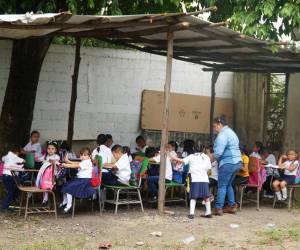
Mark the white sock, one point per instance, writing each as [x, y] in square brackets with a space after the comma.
[69, 201]
[65, 200]
[192, 206]
[284, 193]
[278, 195]
[45, 197]
[208, 208]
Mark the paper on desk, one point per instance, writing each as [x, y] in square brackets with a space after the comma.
[272, 166]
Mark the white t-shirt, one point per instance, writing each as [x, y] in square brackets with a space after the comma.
[85, 169]
[11, 160]
[289, 163]
[214, 170]
[169, 171]
[104, 152]
[54, 157]
[271, 159]
[199, 165]
[35, 148]
[124, 170]
[256, 155]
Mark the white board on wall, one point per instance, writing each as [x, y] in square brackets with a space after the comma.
[188, 113]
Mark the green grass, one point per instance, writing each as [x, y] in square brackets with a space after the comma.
[54, 245]
[279, 235]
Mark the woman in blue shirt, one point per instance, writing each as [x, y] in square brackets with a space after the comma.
[227, 152]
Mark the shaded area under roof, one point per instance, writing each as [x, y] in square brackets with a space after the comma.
[195, 40]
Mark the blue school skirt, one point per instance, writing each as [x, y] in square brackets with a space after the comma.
[79, 188]
[199, 190]
[290, 179]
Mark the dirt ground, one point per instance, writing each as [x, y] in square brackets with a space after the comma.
[249, 229]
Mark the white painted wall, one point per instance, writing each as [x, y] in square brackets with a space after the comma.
[110, 85]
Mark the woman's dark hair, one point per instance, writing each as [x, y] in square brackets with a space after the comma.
[174, 145]
[101, 139]
[221, 120]
[189, 146]
[34, 132]
[151, 152]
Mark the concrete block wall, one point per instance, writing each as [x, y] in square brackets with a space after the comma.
[110, 86]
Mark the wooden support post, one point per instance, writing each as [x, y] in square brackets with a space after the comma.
[266, 107]
[214, 79]
[74, 92]
[164, 131]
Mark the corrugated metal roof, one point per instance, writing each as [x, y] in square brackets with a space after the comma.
[195, 40]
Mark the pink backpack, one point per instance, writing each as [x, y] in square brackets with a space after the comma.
[47, 182]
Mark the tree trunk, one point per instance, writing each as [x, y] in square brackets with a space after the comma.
[18, 105]
[74, 93]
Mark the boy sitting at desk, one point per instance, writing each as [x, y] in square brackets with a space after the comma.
[154, 156]
[120, 171]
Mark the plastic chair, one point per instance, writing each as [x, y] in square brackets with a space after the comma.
[256, 180]
[98, 188]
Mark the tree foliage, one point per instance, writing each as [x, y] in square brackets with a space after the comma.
[265, 19]
[257, 18]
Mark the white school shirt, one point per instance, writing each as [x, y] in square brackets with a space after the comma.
[169, 171]
[199, 165]
[271, 159]
[104, 152]
[256, 155]
[11, 160]
[289, 163]
[124, 170]
[36, 148]
[85, 169]
[54, 157]
[214, 170]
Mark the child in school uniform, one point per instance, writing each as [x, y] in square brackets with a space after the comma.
[120, 171]
[199, 165]
[289, 163]
[152, 181]
[213, 178]
[50, 157]
[81, 186]
[11, 160]
[102, 150]
[35, 147]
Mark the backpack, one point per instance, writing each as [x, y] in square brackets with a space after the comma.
[297, 180]
[29, 160]
[1, 168]
[96, 173]
[47, 181]
[135, 167]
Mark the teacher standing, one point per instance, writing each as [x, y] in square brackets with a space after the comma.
[227, 153]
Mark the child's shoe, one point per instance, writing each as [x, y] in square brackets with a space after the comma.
[191, 216]
[208, 216]
[67, 210]
[62, 205]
